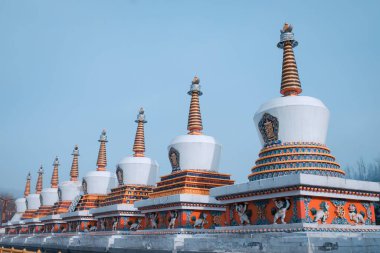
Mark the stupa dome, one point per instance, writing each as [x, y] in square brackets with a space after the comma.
[69, 190]
[20, 205]
[33, 201]
[300, 119]
[194, 152]
[99, 182]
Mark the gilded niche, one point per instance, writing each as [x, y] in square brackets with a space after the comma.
[268, 126]
[174, 159]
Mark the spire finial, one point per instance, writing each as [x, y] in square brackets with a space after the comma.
[139, 144]
[194, 125]
[290, 82]
[27, 186]
[39, 180]
[54, 177]
[74, 172]
[102, 156]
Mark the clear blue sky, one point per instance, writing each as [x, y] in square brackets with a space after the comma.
[68, 69]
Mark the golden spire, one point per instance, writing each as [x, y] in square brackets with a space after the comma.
[39, 180]
[74, 172]
[139, 145]
[290, 82]
[54, 177]
[194, 124]
[102, 156]
[27, 186]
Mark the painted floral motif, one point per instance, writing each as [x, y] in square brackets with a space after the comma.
[261, 212]
[217, 221]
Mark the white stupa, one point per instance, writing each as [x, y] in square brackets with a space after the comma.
[293, 128]
[21, 202]
[69, 190]
[195, 163]
[194, 151]
[33, 200]
[100, 181]
[49, 196]
[138, 169]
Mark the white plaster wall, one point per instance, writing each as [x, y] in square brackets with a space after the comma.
[70, 189]
[33, 201]
[100, 182]
[49, 196]
[139, 170]
[199, 152]
[301, 118]
[20, 205]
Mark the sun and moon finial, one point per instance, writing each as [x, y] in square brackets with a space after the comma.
[290, 82]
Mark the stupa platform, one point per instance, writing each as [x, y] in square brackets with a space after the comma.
[182, 211]
[54, 223]
[300, 198]
[34, 225]
[194, 240]
[60, 207]
[28, 214]
[122, 217]
[79, 221]
[42, 211]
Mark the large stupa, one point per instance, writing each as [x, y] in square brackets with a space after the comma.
[296, 182]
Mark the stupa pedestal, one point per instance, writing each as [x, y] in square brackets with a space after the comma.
[308, 202]
[35, 226]
[119, 217]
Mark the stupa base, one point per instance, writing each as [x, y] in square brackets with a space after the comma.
[196, 240]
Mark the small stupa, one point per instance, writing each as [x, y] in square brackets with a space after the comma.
[95, 187]
[184, 193]
[137, 175]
